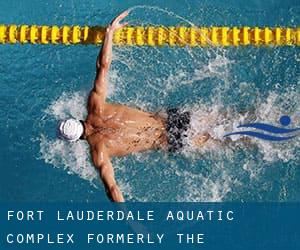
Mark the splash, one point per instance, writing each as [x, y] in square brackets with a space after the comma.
[68, 105]
[74, 157]
[277, 104]
[192, 185]
[212, 189]
[217, 120]
[216, 86]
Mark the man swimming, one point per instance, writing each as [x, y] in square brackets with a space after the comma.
[117, 130]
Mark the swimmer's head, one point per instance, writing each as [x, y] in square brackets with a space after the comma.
[70, 130]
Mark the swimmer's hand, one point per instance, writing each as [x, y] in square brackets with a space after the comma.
[115, 24]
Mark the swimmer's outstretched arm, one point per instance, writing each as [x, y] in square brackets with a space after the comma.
[103, 164]
[105, 56]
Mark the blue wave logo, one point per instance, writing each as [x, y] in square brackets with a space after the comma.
[279, 133]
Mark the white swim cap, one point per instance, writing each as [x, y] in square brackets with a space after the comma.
[70, 130]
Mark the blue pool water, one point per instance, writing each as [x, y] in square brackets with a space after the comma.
[42, 84]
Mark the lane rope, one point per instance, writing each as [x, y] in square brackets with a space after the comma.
[152, 35]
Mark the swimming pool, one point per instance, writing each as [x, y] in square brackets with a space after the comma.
[42, 84]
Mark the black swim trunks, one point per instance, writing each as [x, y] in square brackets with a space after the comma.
[177, 125]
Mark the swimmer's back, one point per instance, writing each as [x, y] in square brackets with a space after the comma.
[126, 130]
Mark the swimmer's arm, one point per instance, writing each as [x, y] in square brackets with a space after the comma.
[105, 56]
[103, 164]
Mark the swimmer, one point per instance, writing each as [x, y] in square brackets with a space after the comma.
[114, 130]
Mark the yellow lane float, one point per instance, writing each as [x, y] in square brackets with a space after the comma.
[152, 35]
